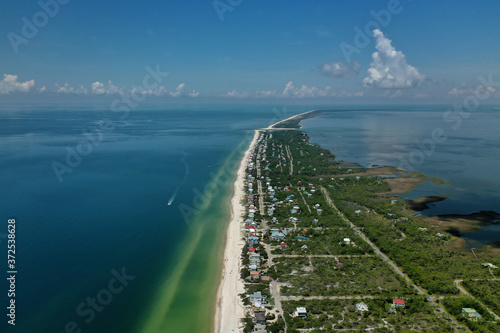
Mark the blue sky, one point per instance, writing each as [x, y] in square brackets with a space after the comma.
[429, 52]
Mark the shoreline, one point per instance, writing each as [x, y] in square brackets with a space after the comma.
[229, 309]
[297, 117]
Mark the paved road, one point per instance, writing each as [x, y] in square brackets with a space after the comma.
[465, 292]
[367, 240]
[275, 294]
[290, 158]
[322, 255]
[261, 198]
[298, 298]
[304, 199]
[389, 261]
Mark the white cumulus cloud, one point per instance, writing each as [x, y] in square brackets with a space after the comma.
[10, 84]
[178, 91]
[99, 88]
[389, 68]
[66, 88]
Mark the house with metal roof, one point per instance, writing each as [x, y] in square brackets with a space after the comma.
[300, 312]
[471, 313]
[361, 307]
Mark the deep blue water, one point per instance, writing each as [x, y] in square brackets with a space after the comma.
[109, 212]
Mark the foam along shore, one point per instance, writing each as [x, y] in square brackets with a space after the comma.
[229, 308]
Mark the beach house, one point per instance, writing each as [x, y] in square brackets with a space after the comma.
[254, 259]
[397, 302]
[254, 275]
[259, 316]
[300, 312]
[361, 307]
[259, 328]
[471, 313]
[278, 236]
[252, 240]
[257, 297]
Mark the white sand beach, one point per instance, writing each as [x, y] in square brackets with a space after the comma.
[229, 308]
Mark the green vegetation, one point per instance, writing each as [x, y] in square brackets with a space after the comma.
[382, 316]
[328, 241]
[487, 291]
[485, 324]
[296, 179]
[325, 277]
[423, 256]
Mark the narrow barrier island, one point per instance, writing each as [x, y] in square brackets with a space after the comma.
[329, 246]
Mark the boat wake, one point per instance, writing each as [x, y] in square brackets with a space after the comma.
[186, 173]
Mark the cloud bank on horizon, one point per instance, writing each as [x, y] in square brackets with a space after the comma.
[367, 51]
[10, 84]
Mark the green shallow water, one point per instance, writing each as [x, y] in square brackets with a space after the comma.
[186, 302]
[112, 213]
